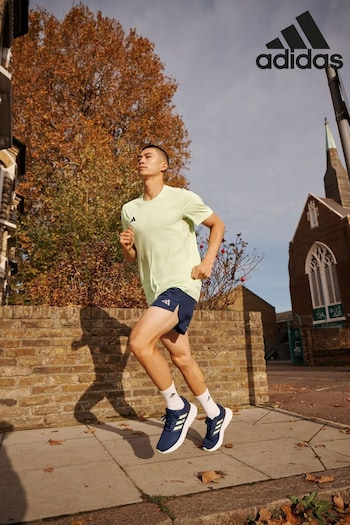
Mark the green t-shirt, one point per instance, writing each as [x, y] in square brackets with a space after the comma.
[165, 239]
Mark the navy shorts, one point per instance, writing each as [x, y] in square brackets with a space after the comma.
[173, 297]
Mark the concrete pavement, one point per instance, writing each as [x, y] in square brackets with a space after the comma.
[65, 471]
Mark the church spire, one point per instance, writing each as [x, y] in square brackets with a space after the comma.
[336, 180]
[330, 142]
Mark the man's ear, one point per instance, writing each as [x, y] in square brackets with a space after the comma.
[164, 166]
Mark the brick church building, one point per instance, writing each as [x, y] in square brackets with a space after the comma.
[319, 253]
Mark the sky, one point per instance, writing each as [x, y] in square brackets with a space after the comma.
[257, 135]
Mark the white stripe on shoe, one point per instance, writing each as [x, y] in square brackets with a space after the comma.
[185, 424]
[220, 428]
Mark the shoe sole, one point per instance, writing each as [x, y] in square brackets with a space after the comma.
[192, 414]
[225, 424]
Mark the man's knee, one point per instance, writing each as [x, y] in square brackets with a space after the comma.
[139, 345]
[134, 344]
[183, 361]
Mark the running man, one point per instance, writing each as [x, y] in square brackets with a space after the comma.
[159, 234]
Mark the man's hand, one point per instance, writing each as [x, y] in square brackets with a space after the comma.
[202, 271]
[217, 228]
[126, 239]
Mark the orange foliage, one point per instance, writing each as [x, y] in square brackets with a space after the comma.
[86, 97]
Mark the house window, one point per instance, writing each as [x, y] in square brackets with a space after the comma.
[321, 267]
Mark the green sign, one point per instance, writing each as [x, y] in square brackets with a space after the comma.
[319, 314]
[335, 310]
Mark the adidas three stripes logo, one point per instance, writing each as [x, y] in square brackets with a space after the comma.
[296, 39]
[293, 38]
[218, 426]
[180, 422]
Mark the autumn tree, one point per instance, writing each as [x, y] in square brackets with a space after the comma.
[233, 266]
[86, 97]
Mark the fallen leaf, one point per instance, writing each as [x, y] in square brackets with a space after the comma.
[326, 479]
[287, 511]
[264, 515]
[338, 501]
[125, 426]
[302, 445]
[310, 477]
[48, 469]
[320, 480]
[90, 430]
[228, 445]
[56, 441]
[211, 475]
[175, 481]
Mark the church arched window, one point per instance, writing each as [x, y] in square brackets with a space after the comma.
[321, 267]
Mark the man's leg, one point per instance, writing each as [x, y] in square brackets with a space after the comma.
[218, 417]
[143, 343]
[178, 346]
[158, 323]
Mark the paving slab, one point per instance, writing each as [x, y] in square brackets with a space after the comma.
[182, 476]
[75, 474]
[47, 473]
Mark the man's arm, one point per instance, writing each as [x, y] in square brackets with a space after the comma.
[127, 242]
[217, 230]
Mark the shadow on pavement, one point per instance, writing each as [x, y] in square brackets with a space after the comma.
[13, 501]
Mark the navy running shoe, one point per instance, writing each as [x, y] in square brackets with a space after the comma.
[216, 428]
[177, 423]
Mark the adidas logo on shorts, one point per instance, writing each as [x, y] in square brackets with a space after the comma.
[166, 301]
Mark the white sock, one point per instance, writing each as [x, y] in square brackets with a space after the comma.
[209, 406]
[172, 399]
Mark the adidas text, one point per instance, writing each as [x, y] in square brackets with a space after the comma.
[288, 60]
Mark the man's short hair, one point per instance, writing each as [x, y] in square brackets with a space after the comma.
[159, 148]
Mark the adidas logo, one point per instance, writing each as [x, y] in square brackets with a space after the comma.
[218, 426]
[288, 59]
[180, 422]
[166, 301]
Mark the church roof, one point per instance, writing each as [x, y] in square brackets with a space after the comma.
[334, 206]
[331, 204]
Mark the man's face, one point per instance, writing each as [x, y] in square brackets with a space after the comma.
[151, 163]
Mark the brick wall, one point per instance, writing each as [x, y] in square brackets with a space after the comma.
[326, 346]
[60, 366]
